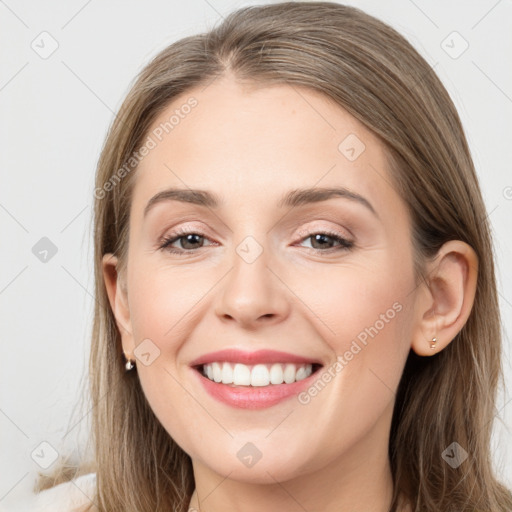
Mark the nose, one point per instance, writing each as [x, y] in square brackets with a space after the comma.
[252, 295]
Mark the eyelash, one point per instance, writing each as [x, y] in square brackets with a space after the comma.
[165, 243]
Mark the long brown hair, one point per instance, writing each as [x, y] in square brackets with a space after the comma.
[371, 71]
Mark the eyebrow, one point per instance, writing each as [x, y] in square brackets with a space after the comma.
[293, 198]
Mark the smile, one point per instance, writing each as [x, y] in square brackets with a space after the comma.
[258, 375]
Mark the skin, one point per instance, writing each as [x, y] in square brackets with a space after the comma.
[250, 146]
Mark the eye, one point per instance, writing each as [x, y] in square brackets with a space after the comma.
[189, 241]
[324, 241]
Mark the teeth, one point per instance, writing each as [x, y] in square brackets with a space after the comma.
[241, 375]
[257, 375]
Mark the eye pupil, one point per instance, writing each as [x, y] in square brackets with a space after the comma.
[322, 238]
[190, 239]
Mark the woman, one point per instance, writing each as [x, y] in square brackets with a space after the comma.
[233, 367]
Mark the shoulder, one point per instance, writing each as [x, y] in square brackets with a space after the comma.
[75, 495]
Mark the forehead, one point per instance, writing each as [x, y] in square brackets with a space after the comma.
[251, 143]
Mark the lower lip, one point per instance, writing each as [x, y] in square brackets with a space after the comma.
[257, 397]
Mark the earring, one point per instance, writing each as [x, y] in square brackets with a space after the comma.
[129, 364]
[433, 343]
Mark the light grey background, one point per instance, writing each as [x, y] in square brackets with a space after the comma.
[54, 115]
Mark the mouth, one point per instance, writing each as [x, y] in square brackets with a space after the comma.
[257, 375]
[254, 380]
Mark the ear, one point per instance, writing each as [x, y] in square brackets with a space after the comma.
[115, 284]
[445, 299]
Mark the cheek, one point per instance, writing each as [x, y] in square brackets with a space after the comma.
[363, 315]
[347, 300]
[164, 303]
[368, 316]
[164, 312]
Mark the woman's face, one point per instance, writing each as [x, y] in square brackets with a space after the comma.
[325, 277]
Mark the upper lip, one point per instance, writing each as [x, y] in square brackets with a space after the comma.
[233, 355]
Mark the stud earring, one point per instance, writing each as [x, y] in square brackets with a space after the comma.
[433, 343]
[129, 364]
